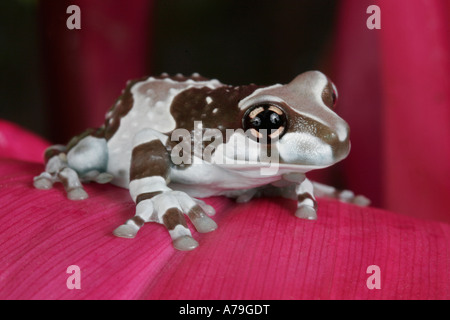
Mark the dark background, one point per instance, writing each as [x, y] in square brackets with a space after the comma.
[237, 42]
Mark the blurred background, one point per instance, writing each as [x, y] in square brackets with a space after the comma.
[393, 83]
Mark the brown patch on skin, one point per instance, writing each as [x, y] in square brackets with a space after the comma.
[94, 132]
[146, 196]
[138, 221]
[158, 89]
[148, 160]
[122, 106]
[300, 123]
[302, 197]
[50, 152]
[173, 217]
[196, 212]
[191, 105]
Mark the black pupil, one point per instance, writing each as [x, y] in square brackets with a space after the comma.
[267, 120]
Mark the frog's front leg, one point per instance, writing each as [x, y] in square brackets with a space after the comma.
[294, 186]
[155, 201]
[306, 202]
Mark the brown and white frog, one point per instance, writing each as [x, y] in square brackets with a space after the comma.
[172, 140]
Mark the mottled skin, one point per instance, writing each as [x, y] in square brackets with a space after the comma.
[171, 140]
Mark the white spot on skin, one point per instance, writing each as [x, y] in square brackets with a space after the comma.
[215, 110]
[209, 100]
[304, 149]
[160, 104]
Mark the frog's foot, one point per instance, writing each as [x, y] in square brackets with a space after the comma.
[347, 196]
[210, 211]
[88, 156]
[130, 228]
[200, 219]
[350, 197]
[44, 181]
[99, 177]
[58, 171]
[169, 208]
[247, 195]
[69, 178]
[306, 212]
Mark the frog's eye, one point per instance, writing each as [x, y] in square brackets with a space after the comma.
[265, 120]
[330, 95]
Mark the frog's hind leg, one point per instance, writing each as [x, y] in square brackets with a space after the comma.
[46, 179]
[85, 160]
[58, 170]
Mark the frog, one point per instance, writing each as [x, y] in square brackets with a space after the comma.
[143, 146]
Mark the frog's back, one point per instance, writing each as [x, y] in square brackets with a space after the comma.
[144, 104]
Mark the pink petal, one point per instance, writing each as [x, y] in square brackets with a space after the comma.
[18, 143]
[259, 251]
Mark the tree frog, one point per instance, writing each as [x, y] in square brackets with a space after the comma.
[171, 140]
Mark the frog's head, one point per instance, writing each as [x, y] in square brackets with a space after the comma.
[298, 121]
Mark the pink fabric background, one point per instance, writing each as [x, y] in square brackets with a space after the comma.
[394, 91]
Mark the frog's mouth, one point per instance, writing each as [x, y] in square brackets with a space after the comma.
[294, 152]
